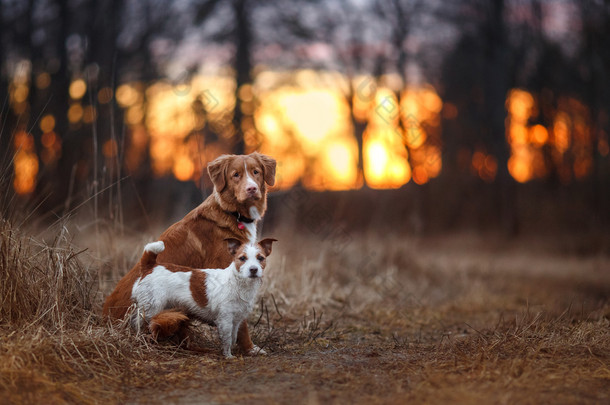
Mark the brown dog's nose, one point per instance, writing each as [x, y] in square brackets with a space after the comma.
[252, 189]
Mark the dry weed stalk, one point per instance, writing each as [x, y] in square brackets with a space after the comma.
[53, 344]
[42, 285]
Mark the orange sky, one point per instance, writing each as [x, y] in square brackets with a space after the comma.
[303, 119]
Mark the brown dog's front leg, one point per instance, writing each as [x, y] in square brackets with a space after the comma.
[243, 338]
[245, 343]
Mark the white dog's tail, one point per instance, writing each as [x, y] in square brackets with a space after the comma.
[149, 257]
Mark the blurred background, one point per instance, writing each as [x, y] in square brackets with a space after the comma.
[399, 115]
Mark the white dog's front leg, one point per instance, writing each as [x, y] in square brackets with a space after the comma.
[225, 331]
[137, 318]
[234, 333]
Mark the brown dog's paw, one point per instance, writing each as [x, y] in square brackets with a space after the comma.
[256, 351]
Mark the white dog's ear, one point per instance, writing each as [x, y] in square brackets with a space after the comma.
[233, 245]
[268, 164]
[265, 244]
[217, 169]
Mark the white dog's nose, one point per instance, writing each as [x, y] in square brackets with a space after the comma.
[253, 271]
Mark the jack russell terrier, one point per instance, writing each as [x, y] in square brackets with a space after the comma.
[221, 297]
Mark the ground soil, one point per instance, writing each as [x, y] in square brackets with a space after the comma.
[382, 319]
[459, 320]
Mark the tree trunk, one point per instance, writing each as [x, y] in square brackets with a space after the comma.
[359, 128]
[60, 82]
[5, 126]
[496, 89]
[242, 66]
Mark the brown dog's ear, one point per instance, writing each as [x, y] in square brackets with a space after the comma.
[233, 245]
[268, 164]
[266, 245]
[217, 169]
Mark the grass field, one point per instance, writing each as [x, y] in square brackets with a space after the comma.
[379, 318]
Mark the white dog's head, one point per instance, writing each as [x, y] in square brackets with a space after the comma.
[250, 259]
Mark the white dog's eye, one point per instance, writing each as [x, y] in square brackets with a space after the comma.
[243, 258]
[260, 258]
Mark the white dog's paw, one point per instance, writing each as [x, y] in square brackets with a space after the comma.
[229, 356]
[256, 351]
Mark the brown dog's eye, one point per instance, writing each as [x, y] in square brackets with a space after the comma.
[236, 174]
[256, 171]
[260, 258]
[243, 258]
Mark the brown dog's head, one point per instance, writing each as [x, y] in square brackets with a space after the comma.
[241, 180]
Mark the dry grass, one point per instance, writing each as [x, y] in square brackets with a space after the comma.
[383, 318]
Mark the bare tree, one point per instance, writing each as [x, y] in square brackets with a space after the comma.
[347, 28]
[594, 63]
[477, 77]
[4, 99]
[240, 34]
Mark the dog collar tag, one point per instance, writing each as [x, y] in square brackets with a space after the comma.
[241, 225]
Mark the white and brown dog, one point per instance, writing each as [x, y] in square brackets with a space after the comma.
[221, 297]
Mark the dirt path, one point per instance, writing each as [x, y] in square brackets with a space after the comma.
[385, 320]
[456, 327]
[369, 370]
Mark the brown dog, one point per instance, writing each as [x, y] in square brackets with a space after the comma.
[239, 200]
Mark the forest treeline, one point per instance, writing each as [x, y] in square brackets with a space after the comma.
[61, 63]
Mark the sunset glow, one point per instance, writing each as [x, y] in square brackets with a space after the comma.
[170, 117]
[77, 89]
[309, 133]
[385, 159]
[312, 114]
[569, 131]
[520, 105]
[342, 163]
[307, 126]
[303, 123]
[25, 163]
[484, 165]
